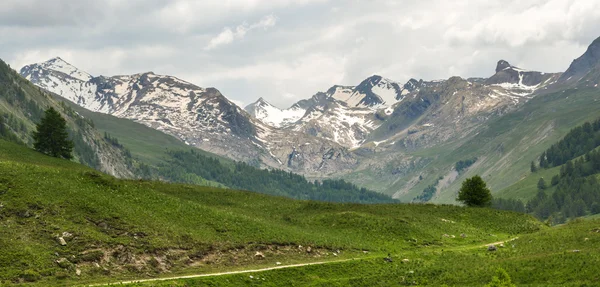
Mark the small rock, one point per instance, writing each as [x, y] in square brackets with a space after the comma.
[388, 258]
[405, 260]
[67, 234]
[576, 250]
[277, 263]
[61, 241]
[411, 272]
[586, 239]
[96, 265]
[299, 246]
[452, 236]
[63, 263]
[77, 272]
[259, 255]
[501, 245]
[492, 248]
[365, 251]
[463, 235]
[308, 249]
[251, 277]
[335, 254]
[445, 235]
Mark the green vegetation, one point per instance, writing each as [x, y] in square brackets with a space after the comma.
[5, 132]
[502, 279]
[130, 229]
[577, 191]
[51, 136]
[185, 167]
[577, 142]
[428, 192]
[574, 189]
[561, 256]
[461, 165]
[474, 193]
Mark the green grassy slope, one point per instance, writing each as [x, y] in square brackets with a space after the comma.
[117, 229]
[561, 256]
[526, 188]
[22, 105]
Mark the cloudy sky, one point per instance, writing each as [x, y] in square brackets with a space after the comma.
[286, 50]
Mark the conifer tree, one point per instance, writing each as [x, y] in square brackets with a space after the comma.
[542, 184]
[533, 168]
[51, 136]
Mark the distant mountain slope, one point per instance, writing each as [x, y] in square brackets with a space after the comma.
[22, 105]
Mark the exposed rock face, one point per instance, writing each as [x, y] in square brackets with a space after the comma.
[514, 77]
[586, 67]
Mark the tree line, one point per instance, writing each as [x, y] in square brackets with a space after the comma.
[576, 187]
[194, 167]
[577, 142]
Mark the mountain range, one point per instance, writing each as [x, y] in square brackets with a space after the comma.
[391, 137]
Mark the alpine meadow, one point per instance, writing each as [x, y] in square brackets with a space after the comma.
[299, 143]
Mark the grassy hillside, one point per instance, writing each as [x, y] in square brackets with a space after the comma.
[118, 229]
[561, 256]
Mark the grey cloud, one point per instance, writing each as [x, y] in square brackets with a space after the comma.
[314, 44]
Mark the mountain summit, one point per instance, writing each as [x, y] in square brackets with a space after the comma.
[586, 67]
[517, 78]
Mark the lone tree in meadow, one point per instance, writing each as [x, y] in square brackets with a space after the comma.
[51, 136]
[474, 192]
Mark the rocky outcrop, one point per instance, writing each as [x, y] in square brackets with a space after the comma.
[586, 67]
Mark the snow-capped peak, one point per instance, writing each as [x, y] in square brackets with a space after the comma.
[274, 116]
[59, 65]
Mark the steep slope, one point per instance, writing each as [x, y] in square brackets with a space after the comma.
[586, 68]
[373, 91]
[200, 117]
[22, 105]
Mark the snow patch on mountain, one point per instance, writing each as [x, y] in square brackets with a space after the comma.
[272, 115]
[59, 65]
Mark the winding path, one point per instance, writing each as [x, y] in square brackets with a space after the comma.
[259, 270]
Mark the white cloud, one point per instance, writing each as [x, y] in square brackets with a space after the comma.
[228, 35]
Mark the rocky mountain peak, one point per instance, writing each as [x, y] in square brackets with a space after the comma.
[512, 77]
[502, 65]
[582, 66]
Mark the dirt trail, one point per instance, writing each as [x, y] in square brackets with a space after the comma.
[259, 270]
[225, 273]
[499, 242]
